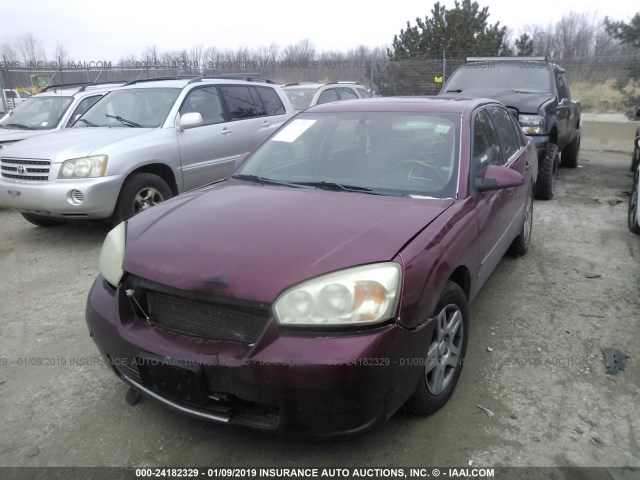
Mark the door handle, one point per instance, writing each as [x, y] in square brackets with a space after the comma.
[266, 124]
[225, 131]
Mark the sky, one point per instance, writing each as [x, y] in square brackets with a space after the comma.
[108, 31]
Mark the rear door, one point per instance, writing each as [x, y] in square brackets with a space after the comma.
[208, 152]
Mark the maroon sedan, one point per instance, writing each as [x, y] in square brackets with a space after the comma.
[326, 283]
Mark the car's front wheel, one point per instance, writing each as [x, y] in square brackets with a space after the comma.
[548, 173]
[140, 192]
[633, 204]
[445, 353]
[40, 220]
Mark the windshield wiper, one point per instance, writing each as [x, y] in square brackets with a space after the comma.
[515, 90]
[457, 90]
[264, 180]
[86, 122]
[124, 121]
[339, 187]
[19, 125]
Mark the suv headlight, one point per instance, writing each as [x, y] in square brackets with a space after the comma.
[532, 124]
[112, 254]
[85, 167]
[359, 295]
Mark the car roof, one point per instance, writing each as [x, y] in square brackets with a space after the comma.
[183, 82]
[403, 104]
[315, 85]
[67, 90]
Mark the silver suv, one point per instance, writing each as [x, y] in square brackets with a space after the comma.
[304, 95]
[138, 146]
[55, 108]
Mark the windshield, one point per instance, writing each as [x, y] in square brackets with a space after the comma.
[387, 153]
[140, 107]
[526, 77]
[300, 98]
[37, 113]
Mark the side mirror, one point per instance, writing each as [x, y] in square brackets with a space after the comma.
[564, 102]
[497, 178]
[189, 120]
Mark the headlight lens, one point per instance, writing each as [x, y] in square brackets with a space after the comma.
[112, 254]
[85, 167]
[532, 124]
[360, 295]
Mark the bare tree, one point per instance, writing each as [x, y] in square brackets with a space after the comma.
[30, 49]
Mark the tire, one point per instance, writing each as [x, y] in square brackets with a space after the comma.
[40, 220]
[445, 355]
[635, 159]
[520, 245]
[569, 156]
[632, 217]
[139, 192]
[548, 173]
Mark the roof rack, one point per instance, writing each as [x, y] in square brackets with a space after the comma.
[66, 85]
[300, 83]
[158, 79]
[82, 89]
[506, 59]
[233, 76]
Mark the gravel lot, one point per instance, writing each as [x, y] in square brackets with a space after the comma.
[543, 317]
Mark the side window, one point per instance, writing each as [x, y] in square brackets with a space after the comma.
[563, 92]
[347, 94]
[82, 107]
[327, 96]
[271, 101]
[205, 101]
[363, 93]
[486, 146]
[10, 93]
[504, 124]
[239, 102]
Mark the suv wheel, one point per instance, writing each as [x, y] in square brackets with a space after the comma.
[140, 192]
[634, 224]
[40, 220]
[569, 156]
[548, 173]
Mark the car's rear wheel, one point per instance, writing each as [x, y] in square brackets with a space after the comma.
[633, 204]
[569, 156]
[445, 353]
[140, 192]
[548, 173]
[520, 244]
[40, 220]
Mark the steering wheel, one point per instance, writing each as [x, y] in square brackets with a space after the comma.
[420, 166]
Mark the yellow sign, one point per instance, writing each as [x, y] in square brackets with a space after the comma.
[437, 79]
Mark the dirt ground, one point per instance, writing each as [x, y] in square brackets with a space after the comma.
[534, 358]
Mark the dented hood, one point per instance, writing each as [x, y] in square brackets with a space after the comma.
[252, 241]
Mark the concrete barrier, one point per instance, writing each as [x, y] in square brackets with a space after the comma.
[609, 133]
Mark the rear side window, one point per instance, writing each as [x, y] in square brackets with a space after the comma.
[239, 102]
[347, 94]
[328, 96]
[271, 101]
[363, 93]
[10, 93]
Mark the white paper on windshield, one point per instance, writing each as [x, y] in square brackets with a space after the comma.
[292, 131]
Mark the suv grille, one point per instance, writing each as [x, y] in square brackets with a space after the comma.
[25, 169]
[206, 320]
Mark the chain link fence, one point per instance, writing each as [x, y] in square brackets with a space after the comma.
[597, 81]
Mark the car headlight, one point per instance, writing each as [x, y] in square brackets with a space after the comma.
[85, 167]
[532, 124]
[359, 295]
[112, 254]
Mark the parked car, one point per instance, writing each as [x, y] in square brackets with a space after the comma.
[13, 98]
[55, 108]
[536, 91]
[635, 158]
[304, 95]
[139, 145]
[634, 215]
[326, 283]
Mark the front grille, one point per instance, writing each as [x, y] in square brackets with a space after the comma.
[206, 320]
[25, 169]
